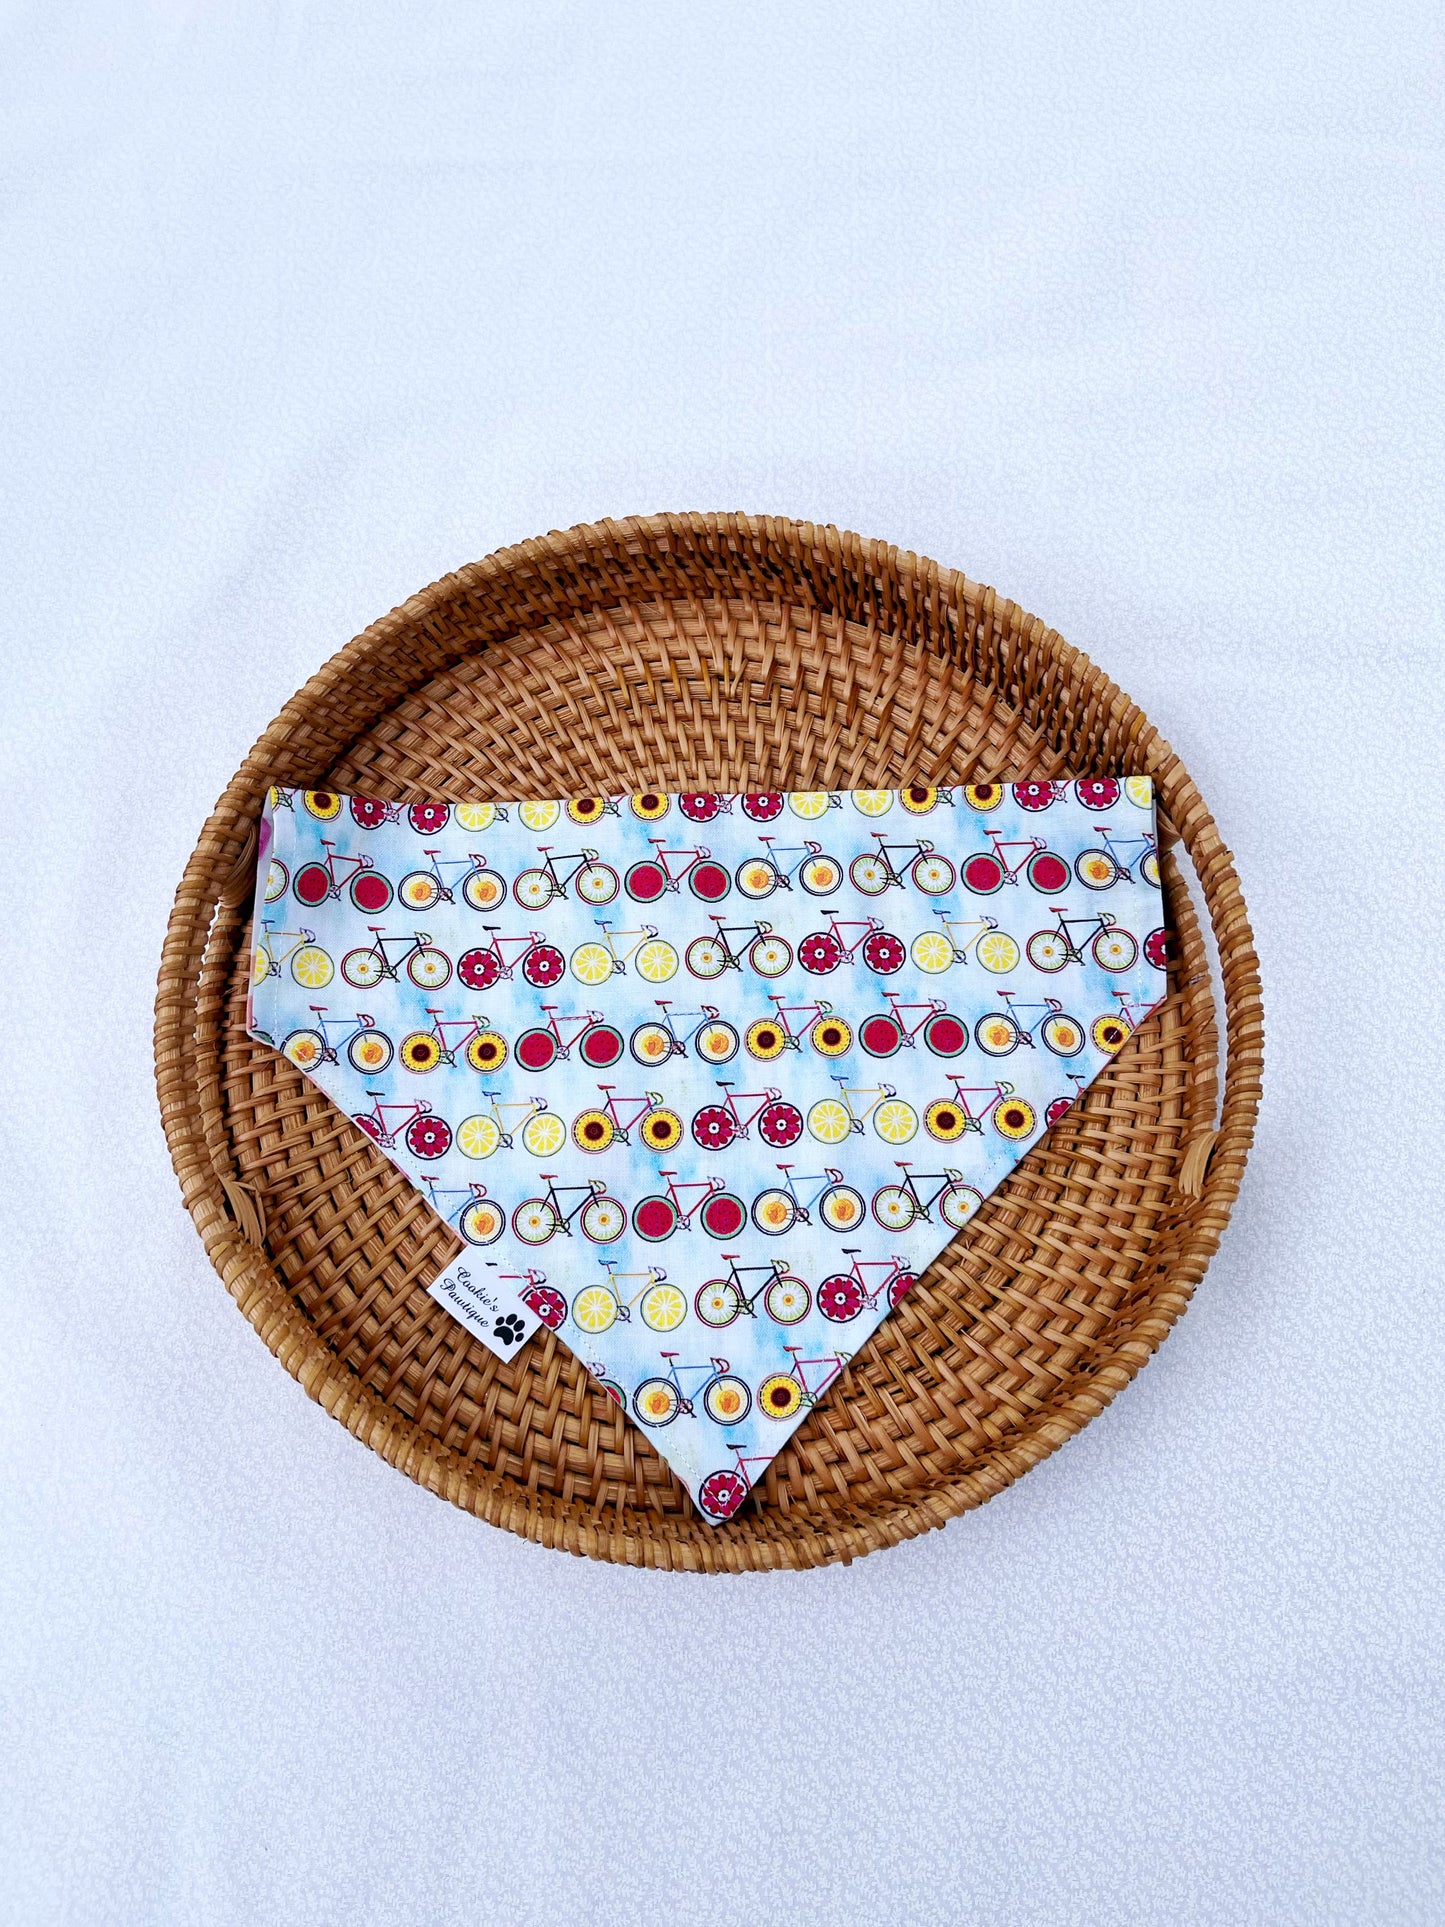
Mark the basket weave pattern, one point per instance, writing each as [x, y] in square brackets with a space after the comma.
[725, 653]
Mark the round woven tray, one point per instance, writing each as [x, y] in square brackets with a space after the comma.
[710, 652]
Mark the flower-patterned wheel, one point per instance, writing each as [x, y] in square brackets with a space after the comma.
[429, 968]
[1098, 792]
[840, 1298]
[603, 1220]
[369, 1052]
[771, 956]
[420, 1052]
[884, 953]
[763, 806]
[311, 885]
[1047, 873]
[706, 957]
[654, 1220]
[841, 1208]
[322, 804]
[774, 1212]
[945, 1120]
[869, 874]
[918, 800]
[662, 1129]
[597, 883]
[787, 1301]
[587, 809]
[831, 1036]
[820, 953]
[1156, 949]
[780, 1396]
[721, 1493]
[369, 1125]
[780, 1125]
[600, 1047]
[727, 1400]
[487, 1051]
[765, 1039]
[1047, 951]
[651, 805]
[959, 1205]
[1063, 1035]
[1110, 1032]
[1096, 869]
[478, 969]
[646, 881]
[1115, 949]
[361, 969]
[428, 1137]
[983, 874]
[900, 1287]
[709, 881]
[543, 966]
[983, 796]
[533, 889]
[880, 1036]
[593, 1131]
[713, 1128]
[656, 1402]
[716, 1303]
[1014, 1119]
[428, 818]
[722, 1215]
[368, 814]
[716, 1042]
[946, 1035]
[483, 1222]
[700, 806]
[933, 874]
[419, 890]
[893, 1207]
[1033, 796]
[545, 1303]
[534, 1221]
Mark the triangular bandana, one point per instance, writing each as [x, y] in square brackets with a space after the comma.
[705, 1081]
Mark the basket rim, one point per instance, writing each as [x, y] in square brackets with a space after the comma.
[909, 592]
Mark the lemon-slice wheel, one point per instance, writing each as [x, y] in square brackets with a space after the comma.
[591, 963]
[873, 802]
[932, 952]
[260, 969]
[1139, 790]
[539, 815]
[998, 952]
[476, 816]
[829, 1121]
[478, 1137]
[544, 1134]
[594, 1309]
[809, 804]
[656, 961]
[894, 1121]
[663, 1308]
[311, 967]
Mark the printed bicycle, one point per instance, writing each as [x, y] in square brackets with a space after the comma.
[311, 966]
[326, 877]
[598, 1044]
[725, 1397]
[832, 1119]
[1101, 869]
[481, 888]
[542, 964]
[784, 1394]
[480, 1219]
[497, 1128]
[990, 870]
[716, 1209]
[974, 1105]
[998, 1033]
[381, 959]
[892, 864]
[615, 1120]
[908, 1201]
[368, 1049]
[424, 1134]
[776, 1210]
[658, 1039]
[1112, 947]
[769, 1037]
[608, 956]
[898, 1028]
[769, 954]
[844, 1295]
[716, 1126]
[601, 1218]
[759, 876]
[935, 951]
[786, 1299]
[653, 877]
[822, 951]
[597, 883]
[424, 1050]
[1114, 1029]
[597, 1308]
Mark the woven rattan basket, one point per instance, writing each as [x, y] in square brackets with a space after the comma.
[726, 653]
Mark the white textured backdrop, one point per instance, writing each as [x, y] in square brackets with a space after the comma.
[1134, 311]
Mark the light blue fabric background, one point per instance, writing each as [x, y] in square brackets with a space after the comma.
[1134, 311]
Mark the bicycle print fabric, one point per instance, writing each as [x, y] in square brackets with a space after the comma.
[706, 1081]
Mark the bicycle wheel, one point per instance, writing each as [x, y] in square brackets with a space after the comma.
[594, 1310]
[1033, 796]
[706, 957]
[536, 1050]
[587, 809]
[370, 893]
[1096, 869]
[721, 1493]
[656, 1402]
[597, 883]
[603, 1220]
[304, 1048]
[884, 953]
[278, 880]
[771, 956]
[840, 1298]
[873, 802]
[549, 1305]
[1149, 868]
[983, 874]
[899, 1286]
[1047, 873]
[478, 969]
[700, 806]
[983, 796]
[1098, 792]
[483, 1222]
[427, 819]
[881, 1036]
[371, 1124]
[369, 814]
[260, 968]
[539, 814]
[762, 806]
[600, 1047]
[651, 805]
[322, 804]
[716, 1042]
[487, 1051]
[544, 1134]
[869, 874]
[311, 967]
[662, 1129]
[1014, 1119]
[535, 1221]
[723, 1214]
[478, 1137]
[419, 890]
[820, 876]
[820, 953]
[829, 1121]
[780, 1125]
[428, 1137]
[933, 874]
[1110, 1032]
[429, 968]
[996, 1034]
[714, 1128]
[369, 1052]
[420, 1053]
[997, 952]
[484, 889]
[933, 952]
[1115, 949]
[591, 963]
[656, 961]
[780, 1396]
[717, 1303]
[362, 968]
[946, 1035]
[755, 878]
[533, 889]
[651, 1045]
[543, 966]
[1058, 1110]
[663, 1308]
[654, 1220]
[959, 1204]
[646, 881]
[592, 1131]
[1156, 949]
[841, 1208]
[475, 816]
[831, 1036]
[1047, 950]
[946, 1120]
[1140, 791]
[809, 804]
[709, 881]
[1063, 1035]
[787, 1301]
[727, 1400]
[765, 1039]
[919, 801]
[774, 1212]
[311, 885]
[895, 1121]
[893, 1207]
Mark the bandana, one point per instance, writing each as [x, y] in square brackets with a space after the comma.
[706, 1081]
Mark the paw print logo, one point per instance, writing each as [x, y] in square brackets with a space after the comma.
[509, 1330]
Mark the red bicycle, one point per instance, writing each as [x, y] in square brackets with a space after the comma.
[538, 1296]
[974, 1105]
[617, 1117]
[716, 1126]
[702, 806]
[1061, 1106]
[786, 1393]
[326, 877]
[598, 1044]
[769, 1037]
[1114, 1029]
[601, 1218]
[822, 951]
[898, 1028]
[844, 1295]
[715, 1208]
[989, 870]
[427, 967]
[542, 963]
[369, 813]
[651, 878]
[424, 1133]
